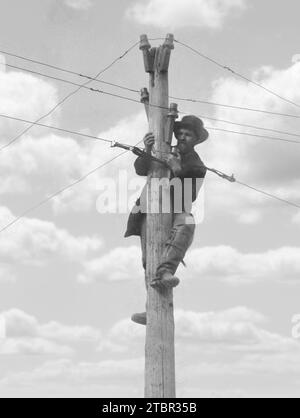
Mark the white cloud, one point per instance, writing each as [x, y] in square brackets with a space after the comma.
[179, 13]
[84, 196]
[112, 377]
[295, 58]
[250, 217]
[25, 335]
[234, 326]
[227, 264]
[271, 166]
[120, 264]
[79, 4]
[222, 263]
[23, 96]
[20, 324]
[2, 63]
[70, 334]
[210, 344]
[34, 242]
[255, 365]
[6, 273]
[49, 163]
[296, 219]
[32, 346]
[232, 342]
[238, 329]
[126, 335]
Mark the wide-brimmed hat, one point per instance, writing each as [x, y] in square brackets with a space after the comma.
[195, 124]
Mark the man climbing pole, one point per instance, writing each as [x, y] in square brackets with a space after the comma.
[185, 164]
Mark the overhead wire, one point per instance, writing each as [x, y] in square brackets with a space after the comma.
[232, 179]
[270, 138]
[248, 109]
[68, 81]
[106, 140]
[70, 95]
[268, 194]
[181, 112]
[192, 100]
[55, 67]
[59, 192]
[231, 70]
[54, 128]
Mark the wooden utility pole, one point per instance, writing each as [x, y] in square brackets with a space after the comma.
[159, 350]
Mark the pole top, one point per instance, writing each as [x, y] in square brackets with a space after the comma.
[169, 42]
[144, 44]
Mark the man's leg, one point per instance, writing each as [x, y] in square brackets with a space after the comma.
[141, 318]
[144, 246]
[180, 240]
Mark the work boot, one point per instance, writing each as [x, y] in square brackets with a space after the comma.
[165, 280]
[180, 239]
[140, 318]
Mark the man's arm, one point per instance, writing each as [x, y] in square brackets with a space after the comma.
[191, 168]
[142, 164]
[194, 171]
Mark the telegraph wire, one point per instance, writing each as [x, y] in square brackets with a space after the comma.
[55, 67]
[232, 179]
[54, 128]
[52, 196]
[192, 100]
[270, 138]
[68, 81]
[227, 68]
[161, 107]
[60, 103]
[126, 98]
[248, 109]
[268, 194]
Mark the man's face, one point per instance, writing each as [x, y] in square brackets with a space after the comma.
[186, 140]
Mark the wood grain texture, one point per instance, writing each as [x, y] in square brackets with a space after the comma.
[159, 350]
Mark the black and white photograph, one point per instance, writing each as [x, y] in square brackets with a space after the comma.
[149, 201]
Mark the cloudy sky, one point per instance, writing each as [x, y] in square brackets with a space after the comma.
[69, 281]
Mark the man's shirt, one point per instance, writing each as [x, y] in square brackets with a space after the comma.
[192, 170]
